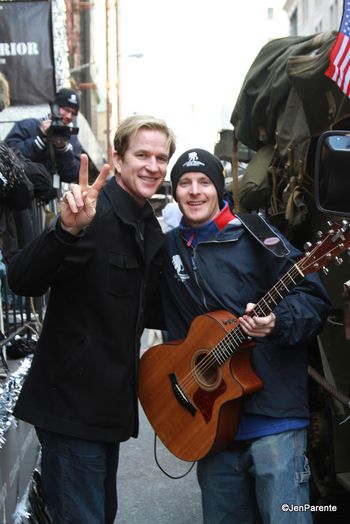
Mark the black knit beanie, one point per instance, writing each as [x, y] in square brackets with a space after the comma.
[201, 161]
[67, 98]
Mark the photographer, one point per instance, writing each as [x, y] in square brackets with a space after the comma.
[51, 141]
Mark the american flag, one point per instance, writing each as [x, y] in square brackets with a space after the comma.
[339, 57]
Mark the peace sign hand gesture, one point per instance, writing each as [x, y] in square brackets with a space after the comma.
[78, 206]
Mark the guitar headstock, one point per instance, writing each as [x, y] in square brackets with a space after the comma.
[328, 248]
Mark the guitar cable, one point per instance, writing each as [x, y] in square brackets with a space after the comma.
[162, 469]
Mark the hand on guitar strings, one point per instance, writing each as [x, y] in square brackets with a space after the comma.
[255, 326]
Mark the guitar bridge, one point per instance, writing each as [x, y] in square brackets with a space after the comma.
[180, 396]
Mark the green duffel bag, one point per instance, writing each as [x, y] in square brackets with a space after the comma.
[255, 184]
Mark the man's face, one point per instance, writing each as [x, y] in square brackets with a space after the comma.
[197, 198]
[142, 169]
[67, 114]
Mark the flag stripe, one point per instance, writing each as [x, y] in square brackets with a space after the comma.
[346, 82]
[332, 56]
[343, 72]
[339, 57]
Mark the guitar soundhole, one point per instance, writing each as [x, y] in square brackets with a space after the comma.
[206, 372]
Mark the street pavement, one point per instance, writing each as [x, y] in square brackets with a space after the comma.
[145, 494]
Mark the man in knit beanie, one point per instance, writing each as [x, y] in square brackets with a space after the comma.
[199, 161]
[68, 99]
[213, 262]
[51, 141]
[202, 173]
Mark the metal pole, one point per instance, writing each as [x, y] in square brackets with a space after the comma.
[108, 129]
[118, 63]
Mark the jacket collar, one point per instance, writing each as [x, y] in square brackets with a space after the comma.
[124, 205]
[195, 235]
[129, 212]
[232, 231]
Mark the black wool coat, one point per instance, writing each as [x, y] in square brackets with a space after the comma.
[84, 374]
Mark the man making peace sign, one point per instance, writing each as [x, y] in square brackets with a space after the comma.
[101, 261]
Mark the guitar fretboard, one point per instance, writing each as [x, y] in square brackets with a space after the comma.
[233, 340]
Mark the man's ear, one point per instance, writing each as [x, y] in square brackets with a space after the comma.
[117, 161]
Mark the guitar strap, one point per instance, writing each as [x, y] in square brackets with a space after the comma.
[262, 231]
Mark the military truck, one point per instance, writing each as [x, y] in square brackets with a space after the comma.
[291, 125]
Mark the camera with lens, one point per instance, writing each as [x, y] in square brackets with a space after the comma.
[58, 130]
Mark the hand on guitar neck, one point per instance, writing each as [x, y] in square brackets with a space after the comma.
[255, 326]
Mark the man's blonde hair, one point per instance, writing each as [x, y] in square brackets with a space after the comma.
[131, 125]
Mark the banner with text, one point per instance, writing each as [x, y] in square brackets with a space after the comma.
[26, 51]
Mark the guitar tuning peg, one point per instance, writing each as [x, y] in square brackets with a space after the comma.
[319, 234]
[329, 223]
[307, 245]
[338, 261]
[325, 270]
[345, 224]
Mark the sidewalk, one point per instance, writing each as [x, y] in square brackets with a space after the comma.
[146, 495]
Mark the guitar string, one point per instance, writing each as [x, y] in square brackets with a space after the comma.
[234, 335]
[208, 361]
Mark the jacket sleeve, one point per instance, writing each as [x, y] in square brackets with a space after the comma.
[52, 255]
[25, 136]
[302, 313]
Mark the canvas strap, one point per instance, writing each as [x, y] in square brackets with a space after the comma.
[262, 231]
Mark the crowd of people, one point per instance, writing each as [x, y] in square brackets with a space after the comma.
[111, 273]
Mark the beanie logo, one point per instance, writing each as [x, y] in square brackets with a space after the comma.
[193, 160]
[179, 268]
[192, 157]
[73, 99]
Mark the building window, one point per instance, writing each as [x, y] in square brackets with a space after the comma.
[305, 12]
[319, 27]
[293, 21]
[335, 14]
[338, 11]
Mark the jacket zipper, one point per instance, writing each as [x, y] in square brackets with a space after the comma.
[194, 265]
[139, 229]
[194, 268]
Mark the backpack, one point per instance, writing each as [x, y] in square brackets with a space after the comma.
[285, 102]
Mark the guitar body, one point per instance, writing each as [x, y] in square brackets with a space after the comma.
[192, 401]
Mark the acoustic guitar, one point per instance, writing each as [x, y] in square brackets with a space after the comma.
[191, 390]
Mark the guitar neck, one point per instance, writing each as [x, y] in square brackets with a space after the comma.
[234, 339]
[278, 292]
